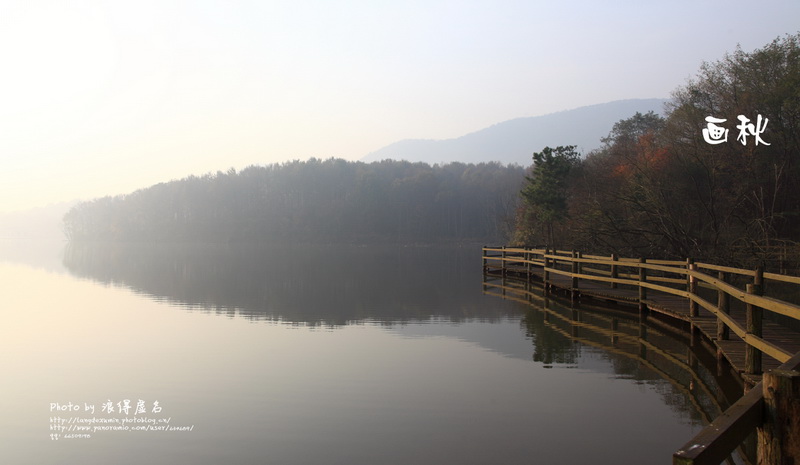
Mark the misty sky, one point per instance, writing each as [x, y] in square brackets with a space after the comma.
[103, 98]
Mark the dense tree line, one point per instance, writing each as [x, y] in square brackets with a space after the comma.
[660, 187]
[316, 201]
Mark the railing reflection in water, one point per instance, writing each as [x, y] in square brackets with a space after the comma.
[706, 383]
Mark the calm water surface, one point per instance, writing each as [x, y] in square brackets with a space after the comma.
[306, 355]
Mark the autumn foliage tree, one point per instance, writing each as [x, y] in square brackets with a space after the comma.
[624, 199]
[659, 187]
[749, 190]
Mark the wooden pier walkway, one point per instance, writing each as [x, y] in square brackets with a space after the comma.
[727, 306]
[652, 343]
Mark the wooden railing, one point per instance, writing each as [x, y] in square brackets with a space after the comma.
[620, 334]
[772, 407]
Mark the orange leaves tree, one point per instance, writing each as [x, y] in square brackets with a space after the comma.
[658, 188]
[749, 191]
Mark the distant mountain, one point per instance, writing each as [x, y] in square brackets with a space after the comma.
[514, 141]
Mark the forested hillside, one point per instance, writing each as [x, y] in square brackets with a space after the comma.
[317, 201]
[718, 177]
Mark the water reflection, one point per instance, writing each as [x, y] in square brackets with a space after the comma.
[595, 355]
[700, 386]
[37, 252]
[314, 285]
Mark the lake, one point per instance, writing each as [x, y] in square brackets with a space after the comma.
[319, 354]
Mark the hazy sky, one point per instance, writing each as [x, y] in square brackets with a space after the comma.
[103, 98]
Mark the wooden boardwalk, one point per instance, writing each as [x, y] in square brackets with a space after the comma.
[748, 329]
[676, 307]
[617, 330]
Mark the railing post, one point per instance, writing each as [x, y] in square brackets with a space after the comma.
[503, 260]
[614, 272]
[752, 356]
[778, 442]
[484, 258]
[691, 286]
[575, 270]
[546, 272]
[528, 266]
[642, 289]
[723, 306]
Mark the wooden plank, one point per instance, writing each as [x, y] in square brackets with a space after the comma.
[767, 303]
[726, 269]
[781, 277]
[667, 262]
[768, 348]
[665, 289]
[716, 442]
[597, 257]
[667, 269]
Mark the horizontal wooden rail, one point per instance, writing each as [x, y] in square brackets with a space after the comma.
[767, 303]
[717, 440]
[783, 278]
[672, 266]
[726, 269]
[723, 435]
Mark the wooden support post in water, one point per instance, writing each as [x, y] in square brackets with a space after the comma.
[752, 356]
[614, 272]
[778, 438]
[723, 306]
[642, 289]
